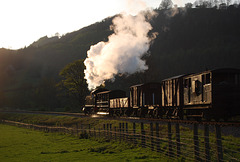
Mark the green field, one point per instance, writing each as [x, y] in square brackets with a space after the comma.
[20, 144]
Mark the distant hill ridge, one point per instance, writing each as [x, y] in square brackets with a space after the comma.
[44, 40]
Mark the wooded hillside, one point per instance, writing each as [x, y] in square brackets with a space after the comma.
[189, 40]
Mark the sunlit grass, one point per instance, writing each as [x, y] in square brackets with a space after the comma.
[19, 144]
[230, 143]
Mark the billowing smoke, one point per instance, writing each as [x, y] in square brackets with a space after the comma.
[122, 53]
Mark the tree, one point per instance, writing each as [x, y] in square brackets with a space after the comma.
[44, 95]
[166, 4]
[188, 5]
[73, 83]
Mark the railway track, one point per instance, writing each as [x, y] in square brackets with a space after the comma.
[135, 119]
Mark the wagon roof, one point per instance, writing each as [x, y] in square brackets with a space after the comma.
[98, 90]
[138, 85]
[175, 77]
[220, 70]
[110, 91]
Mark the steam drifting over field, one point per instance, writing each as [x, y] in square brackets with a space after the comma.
[123, 52]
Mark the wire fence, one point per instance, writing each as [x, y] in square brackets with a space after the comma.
[171, 140]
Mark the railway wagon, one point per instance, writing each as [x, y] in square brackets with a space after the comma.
[119, 107]
[145, 98]
[172, 98]
[212, 94]
[103, 100]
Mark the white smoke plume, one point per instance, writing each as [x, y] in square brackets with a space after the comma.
[122, 53]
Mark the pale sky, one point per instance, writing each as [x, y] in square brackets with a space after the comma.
[24, 21]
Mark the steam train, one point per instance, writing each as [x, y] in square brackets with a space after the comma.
[212, 94]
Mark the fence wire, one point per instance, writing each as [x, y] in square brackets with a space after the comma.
[169, 141]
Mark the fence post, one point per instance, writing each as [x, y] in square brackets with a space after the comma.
[115, 133]
[178, 140]
[219, 143]
[134, 134]
[110, 131]
[99, 132]
[120, 129]
[94, 132]
[104, 129]
[169, 139]
[157, 135]
[206, 143]
[151, 131]
[143, 135]
[127, 131]
[89, 129]
[196, 142]
[81, 129]
[123, 131]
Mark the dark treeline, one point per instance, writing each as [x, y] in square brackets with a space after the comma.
[203, 35]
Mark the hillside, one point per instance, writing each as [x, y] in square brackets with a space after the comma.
[191, 40]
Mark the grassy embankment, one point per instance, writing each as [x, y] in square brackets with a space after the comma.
[19, 144]
[103, 149]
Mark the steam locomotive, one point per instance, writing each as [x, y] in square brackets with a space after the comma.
[212, 94]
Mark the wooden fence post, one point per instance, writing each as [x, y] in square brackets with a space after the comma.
[219, 143]
[104, 129]
[157, 135]
[89, 129]
[178, 140]
[196, 142]
[206, 143]
[94, 132]
[110, 127]
[151, 133]
[81, 129]
[127, 131]
[123, 131]
[107, 130]
[143, 135]
[115, 133]
[170, 152]
[99, 132]
[120, 131]
[134, 134]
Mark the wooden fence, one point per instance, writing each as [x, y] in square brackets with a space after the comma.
[189, 142]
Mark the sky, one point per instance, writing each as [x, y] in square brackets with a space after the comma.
[25, 21]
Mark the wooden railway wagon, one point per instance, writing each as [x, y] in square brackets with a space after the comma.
[119, 106]
[172, 98]
[212, 94]
[145, 98]
[103, 99]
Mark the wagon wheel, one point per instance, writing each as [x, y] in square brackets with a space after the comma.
[110, 113]
[128, 112]
[141, 113]
[206, 117]
[150, 114]
[155, 113]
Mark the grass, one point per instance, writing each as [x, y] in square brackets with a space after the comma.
[19, 144]
[230, 144]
